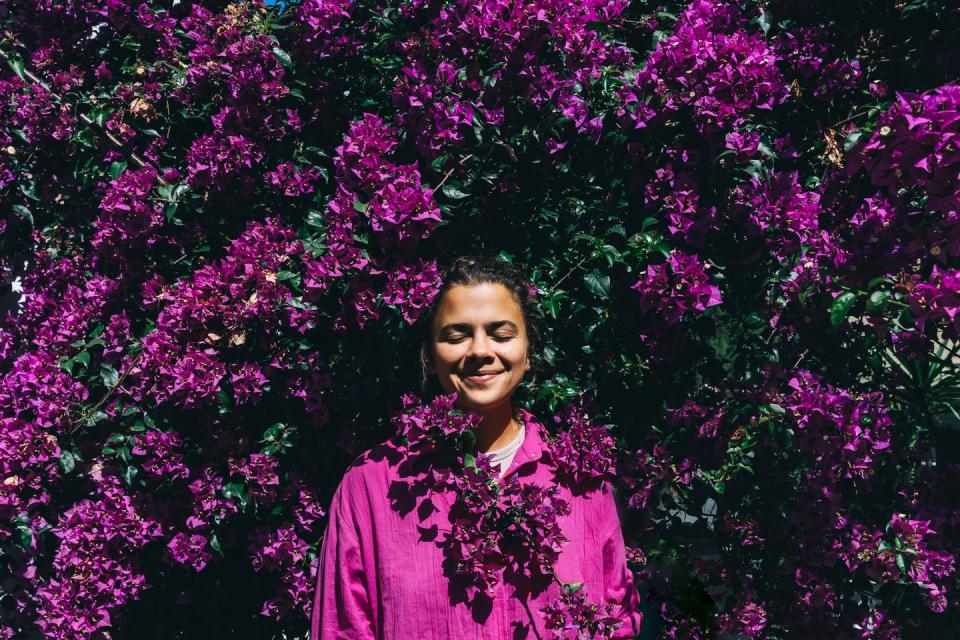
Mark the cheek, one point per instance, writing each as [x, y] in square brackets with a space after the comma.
[446, 356]
[515, 354]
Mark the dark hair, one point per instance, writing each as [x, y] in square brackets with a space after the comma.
[474, 270]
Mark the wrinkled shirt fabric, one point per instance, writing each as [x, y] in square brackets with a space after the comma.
[381, 573]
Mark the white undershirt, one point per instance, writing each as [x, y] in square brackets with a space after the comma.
[503, 456]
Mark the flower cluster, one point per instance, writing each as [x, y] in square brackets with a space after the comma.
[937, 299]
[673, 288]
[571, 616]
[583, 451]
[712, 66]
[909, 551]
[375, 196]
[842, 433]
[235, 302]
[95, 568]
[916, 144]
[442, 92]
[222, 163]
[501, 529]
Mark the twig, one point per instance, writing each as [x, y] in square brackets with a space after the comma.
[576, 266]
[533, 624]
[450, 172]
[846, 120]
[802, 356]
[109, 393]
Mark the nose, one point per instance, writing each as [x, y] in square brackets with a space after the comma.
[479, 346]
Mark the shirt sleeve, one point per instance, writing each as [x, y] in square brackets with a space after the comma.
[341, 608]
[619, 588]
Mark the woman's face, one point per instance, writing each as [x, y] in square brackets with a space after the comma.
[478, 329]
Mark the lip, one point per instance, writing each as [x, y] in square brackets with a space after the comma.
[482, 379]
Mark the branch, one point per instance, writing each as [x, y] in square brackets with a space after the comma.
[106, 396]
[32, 77]
[450, 172]
[575, 267]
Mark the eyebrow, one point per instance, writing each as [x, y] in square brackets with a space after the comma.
[465, 327]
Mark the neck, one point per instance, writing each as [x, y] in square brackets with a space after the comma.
[497, 428]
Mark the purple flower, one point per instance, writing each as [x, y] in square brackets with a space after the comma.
[583, 451]
[412, 288]
[190, 549]
[674, 287]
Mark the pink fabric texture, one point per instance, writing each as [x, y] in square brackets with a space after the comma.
[382, 571]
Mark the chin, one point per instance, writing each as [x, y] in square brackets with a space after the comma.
[482, 399]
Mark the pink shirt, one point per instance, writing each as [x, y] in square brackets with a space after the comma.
[381, 573]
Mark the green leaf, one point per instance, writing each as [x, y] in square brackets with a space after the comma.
[572, 587]
[359, 206]
[452, 190]
[902, 564]
[273, 432]
[851, 140]
[878, 300]
[68, 461]
[766, 21]
[24, 213]
[283, 57]
[879, 280]
[129, 474]
[233, 490]
[109, 376]
[30, 190]
[598, 284]
[215, 543]
[315, 219]
[17, 65]
[83, 358]
[841, 305]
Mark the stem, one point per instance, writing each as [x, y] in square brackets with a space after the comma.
[802, 356]
[846, 120]
[109, 393]
[533, 624]
[450, 172]
[577, 266]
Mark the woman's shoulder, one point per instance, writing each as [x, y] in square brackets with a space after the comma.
[373, 463]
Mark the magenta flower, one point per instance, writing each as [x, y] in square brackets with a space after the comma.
[673, 288]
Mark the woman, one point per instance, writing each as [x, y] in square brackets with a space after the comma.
[383, 572]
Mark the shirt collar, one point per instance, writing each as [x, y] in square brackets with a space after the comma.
[534, 446]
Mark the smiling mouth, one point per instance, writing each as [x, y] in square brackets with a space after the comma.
[480, 379]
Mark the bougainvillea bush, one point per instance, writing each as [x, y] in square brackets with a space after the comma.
[742, 220]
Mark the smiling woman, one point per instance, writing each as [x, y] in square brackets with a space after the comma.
[422, 544]
[480, 350]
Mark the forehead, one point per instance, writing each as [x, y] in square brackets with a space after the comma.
[478, 303]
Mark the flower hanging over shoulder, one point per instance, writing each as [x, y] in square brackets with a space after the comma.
[584, 453]
[422, 426]
[502, 529]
